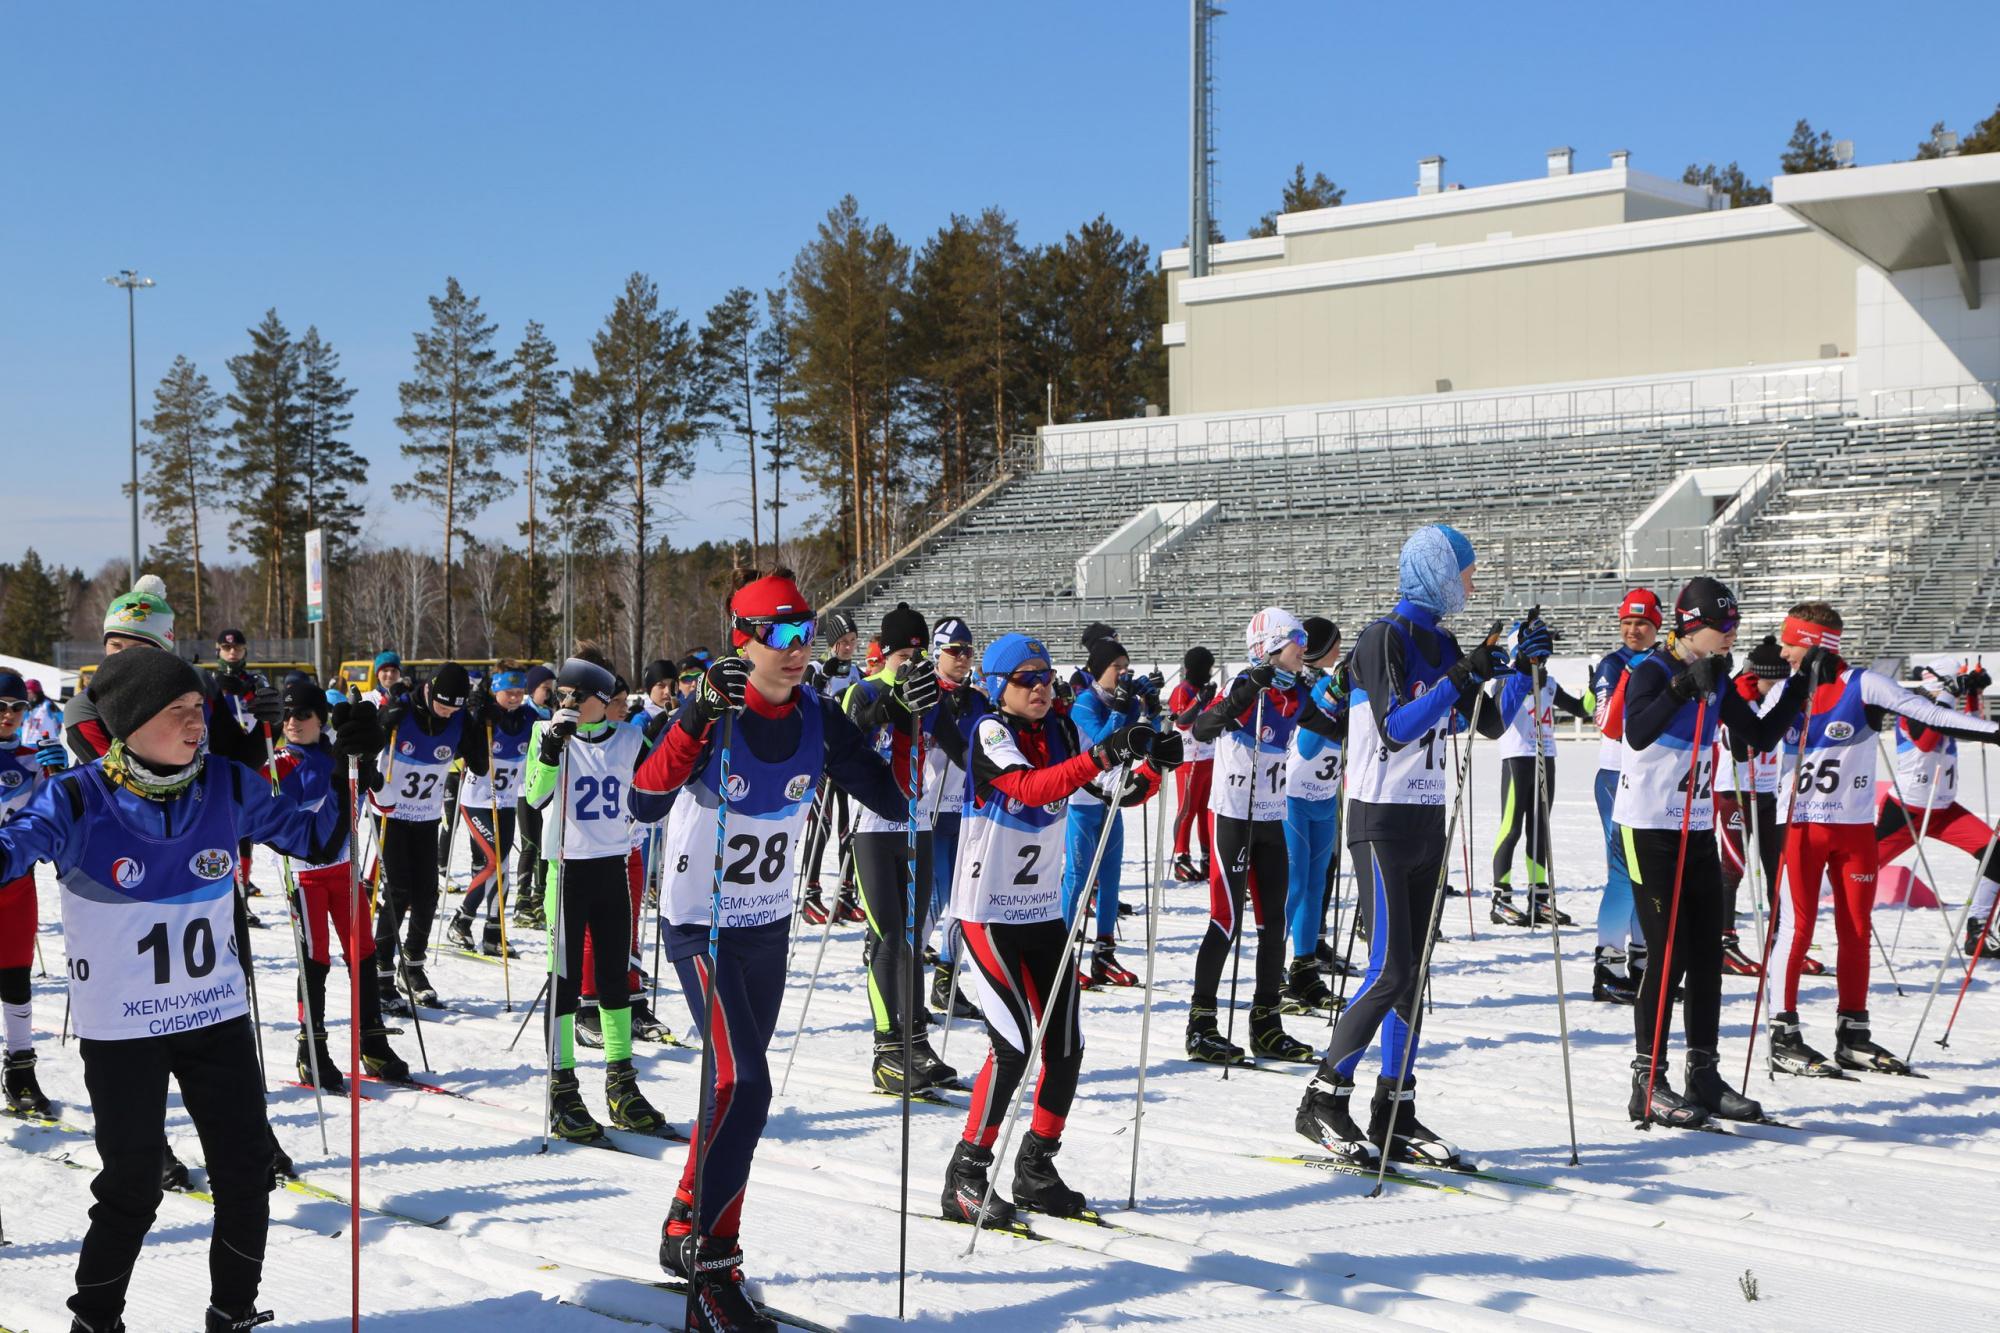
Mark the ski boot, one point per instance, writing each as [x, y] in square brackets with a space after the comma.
[888, 1071]
[1184, 869]
[1706, 1089]
[589, 1026]
[1036, 1184]
[1978, 943]
[78, 1324]
[174, 1172]
[1735, 961]
[24, 1094]
[1269, 1039]
[1853, 1050]
[380, 1059]
[628, 1106]
[1331, 963]
[714, 1264]
[281, 1161]
[1205, 1041]
[569, 1119]
[927, 1069]
[1324, 1117]
[458, 932]
[965, 1188]
[1413, 1141]
[1202, 870]
[943, 997]
[646, 1025]
[1667, 1107]
[314, 1048]
[1126, 909]
[410, 972]
[222, 1321]
[1813, 967]
[1305, 990]
[1607, 983]
[1542, 909]
[813, 907]
[1791, 1055]
[494, 945]
[1502, 912]
[847, 908]
[1635, 965]
[1105, 969]
[529, 914]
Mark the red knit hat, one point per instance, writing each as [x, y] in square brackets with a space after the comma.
[1640, 604]
[773, 597]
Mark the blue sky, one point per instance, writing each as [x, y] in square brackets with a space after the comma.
[337, 162]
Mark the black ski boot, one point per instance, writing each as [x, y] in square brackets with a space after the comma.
[943, 998]
[646, 1025]
[568, 1117]
[24, 1094]
[1305, 990]
[314, 1048]
[78, 1324]
[929, 1070]
[1706, 1089]
[965, 1185]
[1979, 944]
[1269, 1039]
[1036, 1184]
[390, 999]
[410, 972]
[174, 1172]
[1635, 965]
[1791, 1055]
[1331, 963]
[1184, 869]
[281, 1161]
[222, 1321]
[1205, 1041]
[380, 1059]
[714, 1265]
[1542, 909]
[1668, 1107]
[1608, 984]
[458, 931]
[589, 1025]
[887, 1071]
[1325, 1118]
[628, 1106]
[1502, 912]
[1414, 1141]
[1853, 1050]
[494, 945]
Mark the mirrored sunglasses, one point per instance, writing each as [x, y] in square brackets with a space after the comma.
[780, 634]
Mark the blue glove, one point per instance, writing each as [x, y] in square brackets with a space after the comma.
[52, 755]
[1534, 641]
[1328, 695]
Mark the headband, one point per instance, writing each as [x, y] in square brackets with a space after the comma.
[1805, 634]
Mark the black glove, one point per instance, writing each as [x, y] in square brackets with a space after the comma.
[1264, 675]
[1975, 681]
[1701, 677]
[720, 690]
[1123, 745]
[479, 705]
[1206, 694]
[1169, 751]
[1151, 683]
[1482, 664]
[267, 705]
[562, 726]
[964, 700]
[1137, 789]
[1119, 696]
[357, 729]
[1819, 666]
[916, 687]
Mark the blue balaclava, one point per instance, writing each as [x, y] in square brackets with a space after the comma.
[1427, 571]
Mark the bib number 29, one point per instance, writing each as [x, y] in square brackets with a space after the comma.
[197, 950]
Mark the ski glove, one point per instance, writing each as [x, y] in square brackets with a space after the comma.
[1819, 666]
[267, 705]
[1482, 664]
[562, 726]
[1328, 694]
[357, 729]
[51, 755]
[1974, 682]
[1701, 677]
[720, 691]
[1123, 745]
[1152, 683]
[1534, 641]
[1119, 697]
[917, 688]
[1169, 751]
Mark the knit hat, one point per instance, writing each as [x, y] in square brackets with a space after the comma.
[1767, 662]
[775, 597]
[1096, 630]
[537, 674]
[951, 630]
[837, 625]
[231, 638]
[1321, 635]
[1269, 630]
[1103, 652]
[388, 658]
[12, 688]
[1197, 664]
[659, 671]
[135, 686]
[1004, 656]
[451, 685]
[903, 628]
[1640, 604]
[1705, 602]
[587, 678]
[1428, 569]
[301, 695]
[143, 614]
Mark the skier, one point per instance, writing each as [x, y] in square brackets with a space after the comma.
[1110, 699]
[645, 1025]
[1831, 833]
[658, 681]
[389, 686]
[1410, 689]
[311, 771]
[1677, 696]
[1247, 811]
[581, 763]
[1619, 941]
[1312, 819]
[20, 776]
[944, 785]
[1191, 697]
[1025, 762]
[143, 843]
[898, 709]
[1529, 738]
[781, 740]
[427, 730]
[1079, 678]
[43, 725]
[1734, 808]
[1927, 775]
[487, 801]
[831, 677]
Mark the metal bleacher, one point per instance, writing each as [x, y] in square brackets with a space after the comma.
[1894, 521]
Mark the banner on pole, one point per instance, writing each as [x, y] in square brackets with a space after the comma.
[315, 578]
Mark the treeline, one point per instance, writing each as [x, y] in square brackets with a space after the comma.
[876, 383]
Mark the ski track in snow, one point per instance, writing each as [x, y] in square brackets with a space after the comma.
[1883, 1200]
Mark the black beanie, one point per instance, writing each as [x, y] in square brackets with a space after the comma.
[1096, 630]
[301, 694]
[904, 628]
[1197, 664]
[451, 685]
[1321, 635]
[1766, 662]
[1103, 652]
[659, 671]
[1705, 601]
[135, 686]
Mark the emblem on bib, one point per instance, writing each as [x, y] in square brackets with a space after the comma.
[406, 747]
[1839, 731]
[126, 873]
[212, 863]
[441, 752]
[736, 788]
[11, 778]
[796, 789]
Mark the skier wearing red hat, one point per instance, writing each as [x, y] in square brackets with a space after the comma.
[1619, 940]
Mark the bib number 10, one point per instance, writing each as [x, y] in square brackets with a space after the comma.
[197, 950]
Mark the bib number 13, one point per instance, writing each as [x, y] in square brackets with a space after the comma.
[197, 950]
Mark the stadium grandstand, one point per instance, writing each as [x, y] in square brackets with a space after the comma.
[1603, 377]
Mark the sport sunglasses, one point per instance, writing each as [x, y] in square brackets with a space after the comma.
[1029, 680]
[780, 634]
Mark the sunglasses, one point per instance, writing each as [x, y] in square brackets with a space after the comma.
[12, 705]
[300, 714]
[957, 649]
[780, 634]
[1029, 680]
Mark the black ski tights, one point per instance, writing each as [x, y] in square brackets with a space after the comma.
[1250, 863]
[881, 869]
[1650, 855]
[409, 890]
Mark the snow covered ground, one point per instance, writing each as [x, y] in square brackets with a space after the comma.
[1883, 1216]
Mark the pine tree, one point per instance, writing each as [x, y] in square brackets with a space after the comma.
[1093, 306]
[635, 411]
[537, 416]
[1301, 196]
[727, 369]
[1730, 180]
[32, 613]
[777, 371]
[330, 465]
[450, 416]
[1805, 151]
[1985, 136]
[260, 470]
[944, 345]
[181, 474]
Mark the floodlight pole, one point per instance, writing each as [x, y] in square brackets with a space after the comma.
[130, 280]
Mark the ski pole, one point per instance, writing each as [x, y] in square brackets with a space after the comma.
[1155, 904]
[1065, 982]
[250, 979]
[499, 886]
[1665, 977]
[705, 1098]
[1471, 931]
[558, 942]
[1753, 849]
[1237, 909]
[1923, 832]
[1971, 964]
[1555, 906]
[1777, 890]
[1965, 914]
[805, 1006]
[528, 1015]
[1923, 856]
[909, 1015]
[799, 878]
[355, 1037]
[292, 900]
[1430, 932]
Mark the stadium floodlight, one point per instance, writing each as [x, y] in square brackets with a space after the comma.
[1843, 153]
[130, 280]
